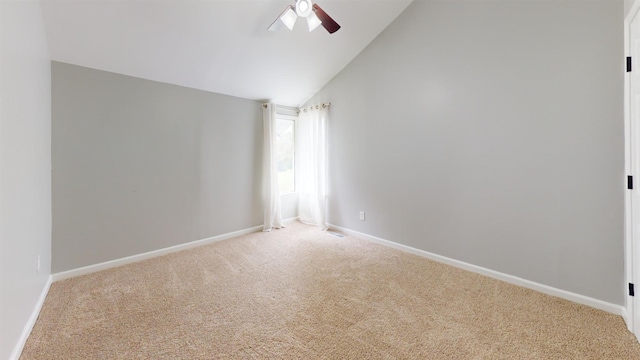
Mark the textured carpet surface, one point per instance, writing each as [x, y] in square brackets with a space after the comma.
[299, 293]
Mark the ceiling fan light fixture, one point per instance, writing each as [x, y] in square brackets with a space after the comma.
[303, 8]
[313, 21]
[289, 18]
[307, 9]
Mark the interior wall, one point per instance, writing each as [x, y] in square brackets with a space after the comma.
[25, 167]
[627, 6]
[490, 132]
[289, 206]
[140, 165]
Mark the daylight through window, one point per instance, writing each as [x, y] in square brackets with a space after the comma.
[285, 130]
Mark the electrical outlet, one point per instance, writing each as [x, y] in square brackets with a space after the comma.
[38, 264]
[361, 215]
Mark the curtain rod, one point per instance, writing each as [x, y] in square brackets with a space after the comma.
[314, 107]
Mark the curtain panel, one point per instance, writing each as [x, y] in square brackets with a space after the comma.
[270, 186]
[311, 152]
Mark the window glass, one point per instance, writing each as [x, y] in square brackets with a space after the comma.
[285, 154]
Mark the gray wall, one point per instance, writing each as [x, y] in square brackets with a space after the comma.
[140, 165]
[490, 132]
[289, 206]
[25, 166]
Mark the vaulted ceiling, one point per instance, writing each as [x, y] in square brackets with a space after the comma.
[221, 46]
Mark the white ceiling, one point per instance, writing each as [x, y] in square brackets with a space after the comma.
[221, 46]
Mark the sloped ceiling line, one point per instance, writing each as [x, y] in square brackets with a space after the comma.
[218, 46]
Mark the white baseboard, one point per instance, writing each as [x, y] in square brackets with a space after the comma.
[151, 254]
[627, 319]
[577, 298]
[17, 349]
[290, 220]
[567, 295]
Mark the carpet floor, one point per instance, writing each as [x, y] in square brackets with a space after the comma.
[299, 293]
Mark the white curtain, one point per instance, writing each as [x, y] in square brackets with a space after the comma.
[311, 154]
[271, 190]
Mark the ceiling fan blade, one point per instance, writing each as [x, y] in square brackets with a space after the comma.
[328, 23]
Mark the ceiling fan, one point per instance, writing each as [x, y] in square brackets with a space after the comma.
[312, 12]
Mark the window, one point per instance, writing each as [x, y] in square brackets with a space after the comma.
[285, 131]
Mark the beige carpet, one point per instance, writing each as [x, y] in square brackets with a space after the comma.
[299, 293]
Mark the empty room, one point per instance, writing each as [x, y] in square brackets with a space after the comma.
[331, 179]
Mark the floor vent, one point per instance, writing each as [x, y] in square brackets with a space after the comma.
[336, 234]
